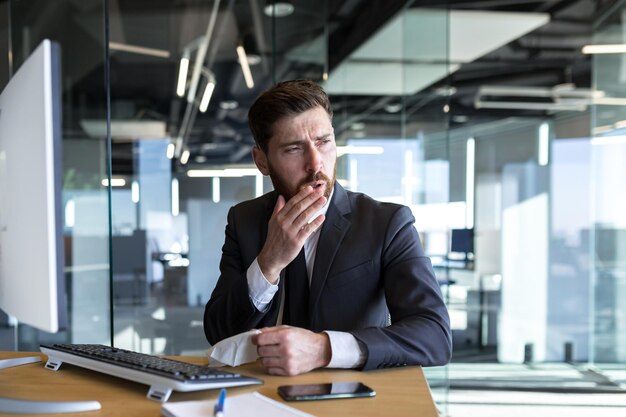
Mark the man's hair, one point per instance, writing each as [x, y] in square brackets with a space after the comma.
[288, 98]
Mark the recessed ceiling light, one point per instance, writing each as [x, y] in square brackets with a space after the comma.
[280, 8]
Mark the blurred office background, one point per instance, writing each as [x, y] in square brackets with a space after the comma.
[488, 118]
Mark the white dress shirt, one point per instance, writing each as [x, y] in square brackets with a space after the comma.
[345, 350]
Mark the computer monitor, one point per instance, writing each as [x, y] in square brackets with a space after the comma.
[31, 235]
[462, 241]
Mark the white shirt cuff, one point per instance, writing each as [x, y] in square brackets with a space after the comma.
[260, 290]
[345, 351]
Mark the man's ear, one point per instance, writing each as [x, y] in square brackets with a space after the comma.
[260, 159]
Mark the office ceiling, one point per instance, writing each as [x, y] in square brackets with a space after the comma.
[521, 43]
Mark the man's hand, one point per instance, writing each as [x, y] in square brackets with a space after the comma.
[286, 350]
[288, 229]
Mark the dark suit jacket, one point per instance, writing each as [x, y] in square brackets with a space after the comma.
[370, 278]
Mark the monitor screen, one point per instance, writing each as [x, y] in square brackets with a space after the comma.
[31, 236]
[462, 241]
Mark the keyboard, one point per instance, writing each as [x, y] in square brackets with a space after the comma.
[161, 374]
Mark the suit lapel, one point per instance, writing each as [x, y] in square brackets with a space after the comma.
[333, 231]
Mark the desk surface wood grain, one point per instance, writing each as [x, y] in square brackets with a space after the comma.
[399, 392]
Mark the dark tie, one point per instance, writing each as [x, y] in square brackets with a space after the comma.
[296, 311]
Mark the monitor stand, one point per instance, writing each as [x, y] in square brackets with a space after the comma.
[12, 406]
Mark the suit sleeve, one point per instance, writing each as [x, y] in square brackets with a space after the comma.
[419, 333]
[229, 311]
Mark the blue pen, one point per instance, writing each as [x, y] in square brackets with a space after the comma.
[218, 409]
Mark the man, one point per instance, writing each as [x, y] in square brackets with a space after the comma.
[332, 278]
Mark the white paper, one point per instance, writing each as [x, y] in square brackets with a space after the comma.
[234, 351]
[250, 404]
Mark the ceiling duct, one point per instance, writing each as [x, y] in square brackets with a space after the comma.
[563, 97]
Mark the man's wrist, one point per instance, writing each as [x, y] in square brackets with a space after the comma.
[270, 275]
[326, 352]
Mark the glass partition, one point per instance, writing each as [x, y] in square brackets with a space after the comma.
[79, 31]
[391, 117]
[607, 237]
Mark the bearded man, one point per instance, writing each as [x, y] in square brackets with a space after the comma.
[332, 278]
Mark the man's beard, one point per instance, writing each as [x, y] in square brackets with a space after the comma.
[281, 187]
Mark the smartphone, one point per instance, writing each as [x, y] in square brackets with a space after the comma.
[306, 392]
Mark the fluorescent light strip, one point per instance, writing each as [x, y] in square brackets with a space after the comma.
[544, 144]
[115, 182]
[223, 173]
[182, 76]
[70, 213]
[141, 50]
[170, 150]
[609, 140]
[184, 157]
[206, 97]
[134, 192]
[619, 48]
[360, 150]
[245, 66]
[469, 183]
[216, 189]
[175, 197]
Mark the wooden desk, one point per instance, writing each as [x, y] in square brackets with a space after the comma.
[399, 392]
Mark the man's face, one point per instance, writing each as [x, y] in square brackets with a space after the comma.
[301, 151]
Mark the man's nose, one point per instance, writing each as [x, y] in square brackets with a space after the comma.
[314, 160]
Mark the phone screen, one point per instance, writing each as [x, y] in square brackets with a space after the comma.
[325, 391]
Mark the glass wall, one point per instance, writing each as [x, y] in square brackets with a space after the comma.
[388, 124]
[608, 195]
[519, 208]
[79, 31]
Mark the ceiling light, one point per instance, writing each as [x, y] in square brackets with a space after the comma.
[134, 192]
[182, 76]
[393, 107]
[543, 152]
[169, 152]
[175, 197]
[115, 182]
[604, 49]
[278, 8]
[141, 50]
[184, 157]
[357, 126]
[206, 97]
[445, 91]
[245, 67]
[229, 104]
